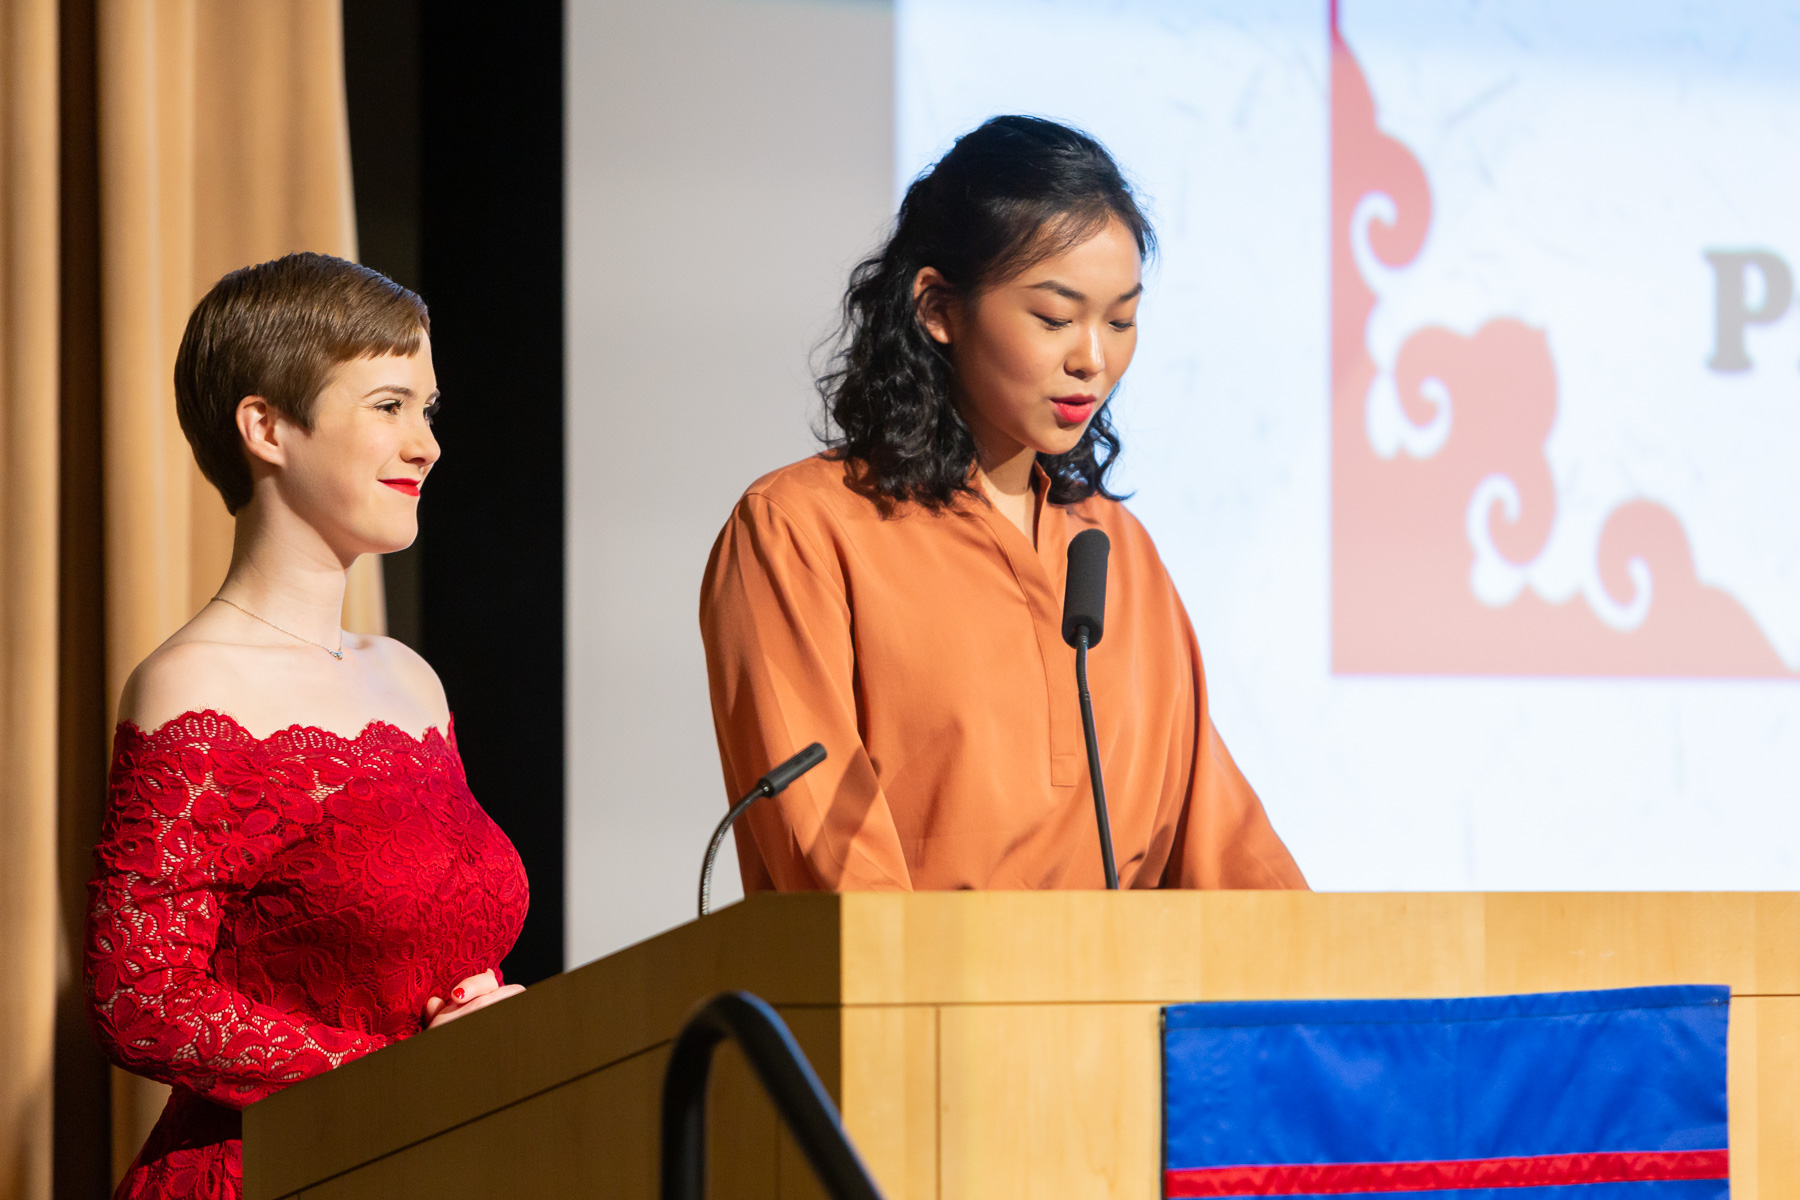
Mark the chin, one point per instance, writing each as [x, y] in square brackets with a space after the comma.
[386, 537]
[400, 541]
[1061, 442]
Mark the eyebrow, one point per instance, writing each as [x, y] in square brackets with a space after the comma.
[397, 390]
[1069, 293]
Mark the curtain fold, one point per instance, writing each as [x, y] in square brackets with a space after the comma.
[145, 79]
[217, 136]
[28, 540]
[223, 142]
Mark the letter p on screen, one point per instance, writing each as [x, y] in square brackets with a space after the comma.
[1732, 309]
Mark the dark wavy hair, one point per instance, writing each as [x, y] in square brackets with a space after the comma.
[1010, 194]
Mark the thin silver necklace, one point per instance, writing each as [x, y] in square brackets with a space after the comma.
[337, 654]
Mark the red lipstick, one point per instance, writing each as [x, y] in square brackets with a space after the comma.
[408, 486]
[1073, 410]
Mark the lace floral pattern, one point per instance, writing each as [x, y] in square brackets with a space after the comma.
[266, 909]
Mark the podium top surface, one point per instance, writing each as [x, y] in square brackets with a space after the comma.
[1000, 948]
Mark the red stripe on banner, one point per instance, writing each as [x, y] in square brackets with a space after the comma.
[1548, 1170]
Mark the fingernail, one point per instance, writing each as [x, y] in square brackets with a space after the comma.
[458, 993]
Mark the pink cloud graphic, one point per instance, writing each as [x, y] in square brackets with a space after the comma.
[1403, 601]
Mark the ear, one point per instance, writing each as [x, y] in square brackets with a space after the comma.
[934, 300]
[261, 428]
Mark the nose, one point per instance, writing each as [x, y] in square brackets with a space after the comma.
[421, 448]
[1088, 358]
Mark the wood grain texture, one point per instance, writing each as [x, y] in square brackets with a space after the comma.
[1042, 947]
[1541, 942]
[890, 1095]
[597, 1134]
[1051, 1100]
[1765, 1098]
[575, 1023]
[1744, 1093]
[819, 1032]
[741, 1131]
[993, 1044]
[594, 1136]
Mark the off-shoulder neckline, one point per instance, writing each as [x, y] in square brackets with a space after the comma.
[378, 727]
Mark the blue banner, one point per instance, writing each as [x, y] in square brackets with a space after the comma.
[1613, 1095]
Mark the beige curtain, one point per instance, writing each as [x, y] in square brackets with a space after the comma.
[214, 136]
[223, 141]
[28, 539]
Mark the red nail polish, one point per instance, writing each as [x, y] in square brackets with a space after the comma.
[458, 993]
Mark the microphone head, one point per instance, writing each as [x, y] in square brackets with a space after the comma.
[1084, 596]
[785, 773]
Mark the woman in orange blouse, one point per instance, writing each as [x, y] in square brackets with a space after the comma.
[899, 597]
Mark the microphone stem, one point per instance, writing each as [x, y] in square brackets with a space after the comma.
[712, 849]
[1093, 757]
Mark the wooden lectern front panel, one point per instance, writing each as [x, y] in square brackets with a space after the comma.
[988, 1045]
[1056, 1099]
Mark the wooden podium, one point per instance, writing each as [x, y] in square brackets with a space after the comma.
[987, 1045]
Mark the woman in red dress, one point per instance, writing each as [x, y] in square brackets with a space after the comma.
[292, 872]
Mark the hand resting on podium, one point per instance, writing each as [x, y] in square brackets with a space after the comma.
[477, 991]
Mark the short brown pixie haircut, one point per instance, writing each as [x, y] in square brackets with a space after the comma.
[279, 330]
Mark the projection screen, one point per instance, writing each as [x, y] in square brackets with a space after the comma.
[1466, 413]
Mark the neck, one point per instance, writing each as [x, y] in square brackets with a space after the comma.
[1003, 469]
[1007, 473]
[1002, 464]
[284, 572]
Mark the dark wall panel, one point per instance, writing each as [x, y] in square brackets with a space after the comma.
[491, 267]
[457, 135]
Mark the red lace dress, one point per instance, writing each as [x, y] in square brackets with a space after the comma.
[266, 909]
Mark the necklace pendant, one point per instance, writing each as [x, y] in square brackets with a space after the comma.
[337, 654]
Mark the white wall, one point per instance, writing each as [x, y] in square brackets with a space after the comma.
[728, 161]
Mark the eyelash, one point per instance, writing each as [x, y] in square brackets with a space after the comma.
[392, 408]
[1055, 323]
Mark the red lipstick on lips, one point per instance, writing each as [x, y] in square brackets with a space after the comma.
[409, 486]
[1073, 410]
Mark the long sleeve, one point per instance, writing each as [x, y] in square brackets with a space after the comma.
[1223, 838]
[781, 661]
[177, 845]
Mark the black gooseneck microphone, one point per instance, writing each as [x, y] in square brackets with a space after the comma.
[1084, 620]
[771, 784]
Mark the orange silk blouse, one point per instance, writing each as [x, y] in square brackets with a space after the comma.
[925, 651]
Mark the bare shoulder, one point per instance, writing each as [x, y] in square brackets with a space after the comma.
[184, 674]
[267, 686]
[408, 672]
